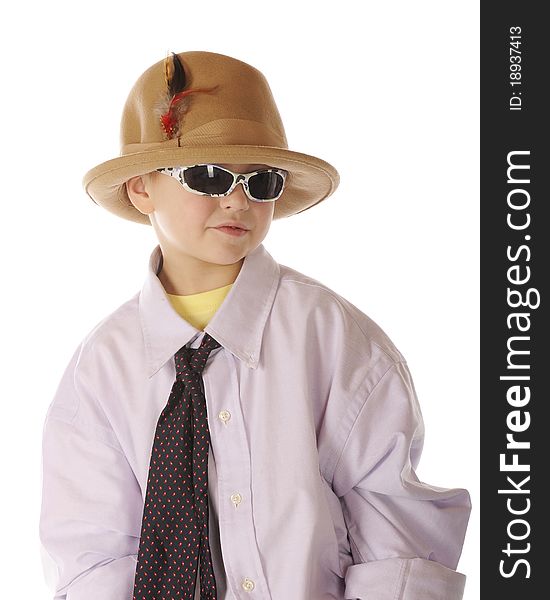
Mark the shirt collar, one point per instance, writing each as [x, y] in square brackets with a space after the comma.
[238, 324]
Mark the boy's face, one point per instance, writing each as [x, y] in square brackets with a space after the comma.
[185, 223]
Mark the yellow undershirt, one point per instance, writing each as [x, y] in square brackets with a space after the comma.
[198, 309]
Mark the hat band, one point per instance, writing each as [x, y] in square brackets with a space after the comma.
[221, 132]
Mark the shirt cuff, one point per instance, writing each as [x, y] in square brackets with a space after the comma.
[403, 579]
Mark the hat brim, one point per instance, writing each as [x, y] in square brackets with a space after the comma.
[310, 181]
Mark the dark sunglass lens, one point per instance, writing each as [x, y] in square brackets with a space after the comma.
[266, 186]
[209, 181]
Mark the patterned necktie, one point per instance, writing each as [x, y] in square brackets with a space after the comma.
[174, 530]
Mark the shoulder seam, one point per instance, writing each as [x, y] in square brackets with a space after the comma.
[363, 404]
[86, 382]
[53, 417]
[336, 296]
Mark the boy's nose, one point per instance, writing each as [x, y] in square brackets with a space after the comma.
[237, 197]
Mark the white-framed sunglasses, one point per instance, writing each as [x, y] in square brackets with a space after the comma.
[262, 185]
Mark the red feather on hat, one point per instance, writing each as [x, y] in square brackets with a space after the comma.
[175, 101]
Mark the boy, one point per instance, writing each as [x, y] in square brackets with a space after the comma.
[236, 429]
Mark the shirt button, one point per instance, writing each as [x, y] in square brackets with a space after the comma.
[224, 416]
[248, 584]
[236, 499]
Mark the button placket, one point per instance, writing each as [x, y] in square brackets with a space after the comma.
[234, 476]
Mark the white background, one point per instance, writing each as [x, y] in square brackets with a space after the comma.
[387, 92]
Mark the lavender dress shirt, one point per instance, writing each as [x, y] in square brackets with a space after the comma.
[315, 434]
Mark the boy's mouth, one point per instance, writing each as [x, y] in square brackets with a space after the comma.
[233, 225]
[231, 230]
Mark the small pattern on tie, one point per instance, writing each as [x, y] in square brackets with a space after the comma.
[174, 530]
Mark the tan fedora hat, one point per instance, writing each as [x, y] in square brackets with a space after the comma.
[204, 107]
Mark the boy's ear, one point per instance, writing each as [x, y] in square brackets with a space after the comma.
[138, 194]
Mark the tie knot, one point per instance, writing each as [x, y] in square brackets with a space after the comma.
[194, 359]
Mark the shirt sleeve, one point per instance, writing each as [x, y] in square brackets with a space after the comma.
[405, 536]
[89, 535]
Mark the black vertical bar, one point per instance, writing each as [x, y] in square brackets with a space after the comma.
[515, 255]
